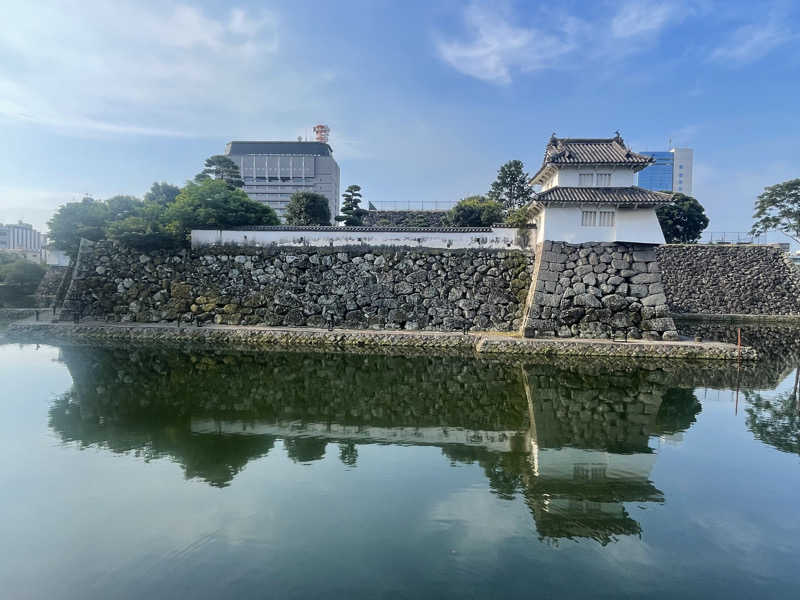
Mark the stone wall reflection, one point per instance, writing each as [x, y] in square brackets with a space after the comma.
[570, 439]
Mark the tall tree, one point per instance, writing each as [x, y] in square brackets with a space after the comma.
[75, 220]
[352, 213]
[211, 203]
[778, 207]
[476, 211]
[682, 221]
[512, 188]
[308, 208]
[162, 193]
[220, 166]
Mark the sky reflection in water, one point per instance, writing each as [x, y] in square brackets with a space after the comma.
[126, 473]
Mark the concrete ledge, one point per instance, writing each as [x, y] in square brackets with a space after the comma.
[255, 337]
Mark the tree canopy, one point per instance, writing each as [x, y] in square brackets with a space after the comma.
[21, 273]
[512, 188]
[682, 221]
[476, 211]
[308, 208]
[161, 219]
[778, 208]
[162, 193]
[352, 213]
[212, 203]
[221, 167]
[72, 221]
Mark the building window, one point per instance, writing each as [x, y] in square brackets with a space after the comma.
[603, 180]
[680, 166]
[588, 218]
[585, 179]
[606, 218]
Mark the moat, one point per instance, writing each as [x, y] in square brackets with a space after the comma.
[140, 472]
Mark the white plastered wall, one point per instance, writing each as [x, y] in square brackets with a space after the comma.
[633, 225]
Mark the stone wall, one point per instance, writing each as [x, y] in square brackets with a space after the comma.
[356, 288]
[751, 280]
[48, 287]
[406, 218]
[598, 290]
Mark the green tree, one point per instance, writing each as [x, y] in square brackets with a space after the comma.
[683, 220]
[162, 193]
[476, 211]
[519, 217]
[308, 208]
[778, 207]
[22, 273]
[221, 167]
[212, 203]
[75, 220]
[122, 207]
[352, 213]
[512, 188]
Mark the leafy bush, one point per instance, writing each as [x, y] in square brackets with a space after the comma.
[22, 273]
[476, 211]
[308, 208]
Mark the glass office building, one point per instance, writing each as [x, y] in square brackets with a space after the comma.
[658, 176]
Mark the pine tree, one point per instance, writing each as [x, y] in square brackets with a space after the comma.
[352, 213]
[512, 187]
[220, 166]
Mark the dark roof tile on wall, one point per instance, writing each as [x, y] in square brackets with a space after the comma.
[599, 195]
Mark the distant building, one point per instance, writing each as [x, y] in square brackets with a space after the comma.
[23, 239]
[671, 172]
[273, 171]
[588, 193]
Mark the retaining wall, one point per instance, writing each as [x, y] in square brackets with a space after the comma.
[354, 287]
[598, 290]
[748, 280]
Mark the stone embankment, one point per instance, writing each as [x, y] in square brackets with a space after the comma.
[48, 288]
[728, 279]
[357, 288]
[599, 290]
[340, 339]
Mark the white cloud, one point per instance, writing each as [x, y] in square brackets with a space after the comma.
[752, 42]
[639, 18]
[144, 69]
[497, 47]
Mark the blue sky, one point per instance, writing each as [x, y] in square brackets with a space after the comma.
[425, 100]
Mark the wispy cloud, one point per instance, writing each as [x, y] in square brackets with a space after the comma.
[497, 47]
[644, 18]
[752, 42]
[139, 68]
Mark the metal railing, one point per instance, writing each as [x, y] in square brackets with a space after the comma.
[736, 237]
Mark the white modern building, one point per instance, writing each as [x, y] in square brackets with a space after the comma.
[21, 238]
[273, 171]
[588, 193]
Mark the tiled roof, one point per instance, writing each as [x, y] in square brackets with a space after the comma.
[607, 152]
[337, 229]
[603, 195]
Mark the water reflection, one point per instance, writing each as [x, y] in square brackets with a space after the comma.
[571, 439]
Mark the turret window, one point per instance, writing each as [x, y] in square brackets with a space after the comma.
[594, 218]
[585, 179]
[604, 180]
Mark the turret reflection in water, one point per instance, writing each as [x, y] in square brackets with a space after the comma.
[570, 439]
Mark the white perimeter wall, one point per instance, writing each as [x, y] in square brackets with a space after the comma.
[499, 238]
[563, 224]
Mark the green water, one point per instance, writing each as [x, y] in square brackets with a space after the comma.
[165, 474]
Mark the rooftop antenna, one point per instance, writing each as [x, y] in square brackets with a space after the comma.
[321, 132]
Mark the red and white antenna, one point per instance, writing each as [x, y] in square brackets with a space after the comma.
[321, 132]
